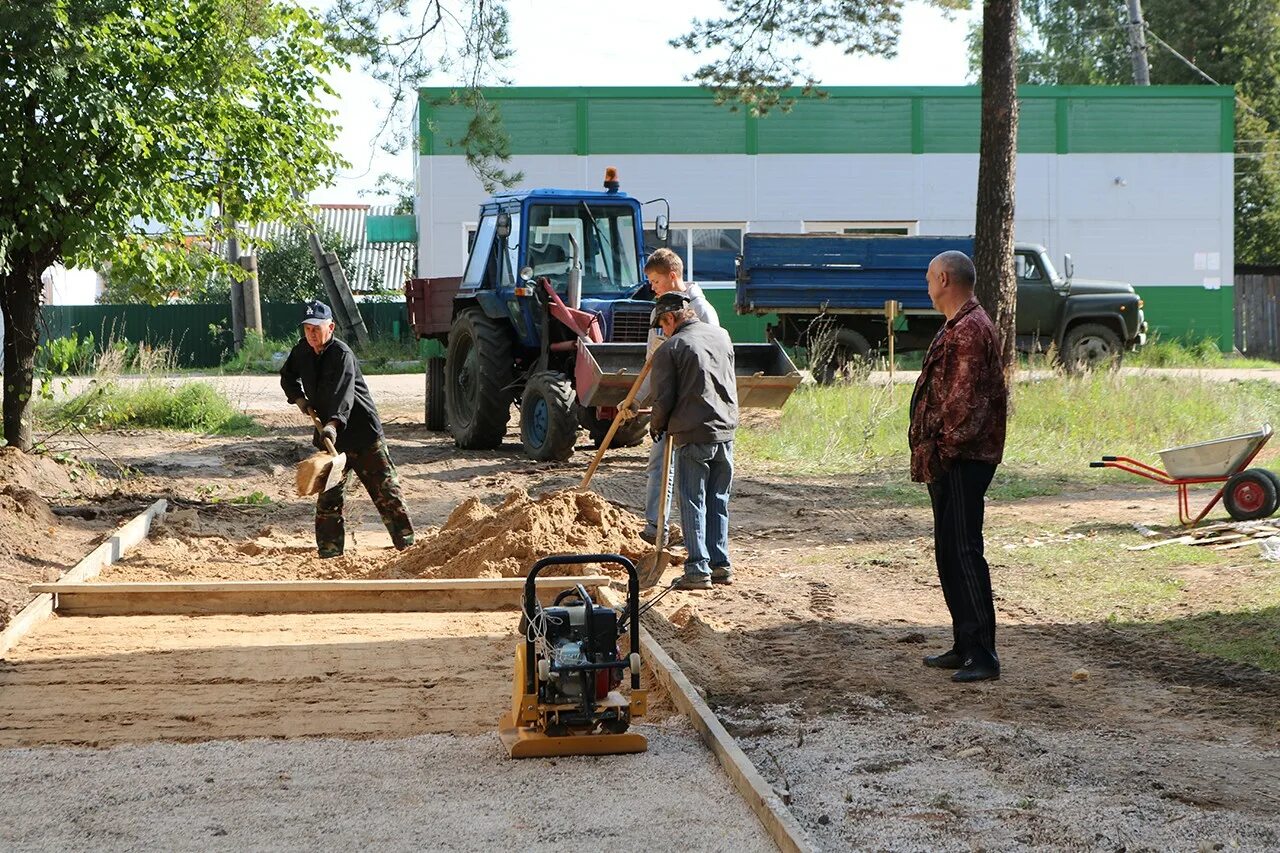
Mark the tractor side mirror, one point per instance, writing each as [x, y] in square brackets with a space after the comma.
[662, 228]
[504, 225]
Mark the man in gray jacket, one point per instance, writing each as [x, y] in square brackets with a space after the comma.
[695, 403]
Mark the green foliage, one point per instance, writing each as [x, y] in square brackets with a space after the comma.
[761, 45]
[1234, 42]
[122, 112]
[68, 356]
[189, 407]
[155, 270]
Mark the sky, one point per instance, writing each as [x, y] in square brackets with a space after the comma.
[624, 43]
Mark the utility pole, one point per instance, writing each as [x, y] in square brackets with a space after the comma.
[1138, 44]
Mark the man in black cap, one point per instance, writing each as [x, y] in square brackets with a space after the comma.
[321, 376]
[695, 402]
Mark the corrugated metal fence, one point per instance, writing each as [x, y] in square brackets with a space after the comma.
[1257, 320]
[199, 335]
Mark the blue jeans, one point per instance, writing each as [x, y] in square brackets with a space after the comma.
[655, 486]
[705, 475]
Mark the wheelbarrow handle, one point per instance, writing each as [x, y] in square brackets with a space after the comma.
[1097, 464]
[1110, 458]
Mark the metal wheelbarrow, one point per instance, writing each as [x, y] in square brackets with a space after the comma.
[1247, 493]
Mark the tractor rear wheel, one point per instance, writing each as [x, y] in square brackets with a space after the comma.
[436, 418]
[1250, 494]
[840, 355]
[548, 428]
[629, 434]
[478, 380]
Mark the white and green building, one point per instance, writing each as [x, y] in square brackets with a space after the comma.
[1134, 182]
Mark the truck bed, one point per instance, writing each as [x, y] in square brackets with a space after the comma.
[814, 272]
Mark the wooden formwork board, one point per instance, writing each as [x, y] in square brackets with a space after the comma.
[341, 596]
[110, 551]
[773, 814]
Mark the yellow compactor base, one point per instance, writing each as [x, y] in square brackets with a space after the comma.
[524, 742]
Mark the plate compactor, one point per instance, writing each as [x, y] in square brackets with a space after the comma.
[565, 698]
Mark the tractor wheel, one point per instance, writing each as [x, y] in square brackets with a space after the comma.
[630, 434]
[548, 428]
[1250, 494]
[844, 356]
[436, 417]
[478, 379]
[1090, 346]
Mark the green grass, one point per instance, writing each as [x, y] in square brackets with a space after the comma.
[189, 407]
[1179, 352]
[1056, 427]
[1220, 603]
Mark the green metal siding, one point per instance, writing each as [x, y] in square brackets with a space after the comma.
[402, 228]
[654, 126]
[1142, 126]
[861, 126]
[742, 328]
[1191, 312]
[686, 120]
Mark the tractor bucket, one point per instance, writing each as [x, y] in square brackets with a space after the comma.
[605, 373]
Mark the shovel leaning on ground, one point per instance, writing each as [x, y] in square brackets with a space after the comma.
[322, 471]
[651, 567]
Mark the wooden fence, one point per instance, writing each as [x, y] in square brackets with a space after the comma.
[1257, 318]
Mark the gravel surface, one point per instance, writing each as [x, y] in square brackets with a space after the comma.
[436, 792]
[874, 779]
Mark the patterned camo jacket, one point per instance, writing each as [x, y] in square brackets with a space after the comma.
[960, 402]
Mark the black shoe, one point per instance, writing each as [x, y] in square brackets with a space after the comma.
[947, 660]
[722, 576]
[692, 582]
[976, 671]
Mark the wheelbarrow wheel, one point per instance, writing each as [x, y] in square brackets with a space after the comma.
[1250, 495]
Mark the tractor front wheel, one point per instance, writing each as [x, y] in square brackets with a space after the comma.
[478, 380]
[548, 428]
[1250, 495]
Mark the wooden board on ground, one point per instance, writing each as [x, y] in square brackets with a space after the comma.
[112, 550]
[343, 596]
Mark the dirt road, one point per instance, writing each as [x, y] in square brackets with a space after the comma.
[812, 657]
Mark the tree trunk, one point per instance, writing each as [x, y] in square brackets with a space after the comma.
[997, 288]
[20, 300]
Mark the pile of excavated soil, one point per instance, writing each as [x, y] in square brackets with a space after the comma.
[36, 472]
[479, 541]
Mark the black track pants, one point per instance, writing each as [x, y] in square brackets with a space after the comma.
[957, 500]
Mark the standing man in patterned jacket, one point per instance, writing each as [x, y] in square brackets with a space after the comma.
[958, 413]
[321, 375]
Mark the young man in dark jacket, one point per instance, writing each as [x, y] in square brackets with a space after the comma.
[695, 403]
[321, 375]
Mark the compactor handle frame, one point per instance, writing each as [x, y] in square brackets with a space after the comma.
[531, 603]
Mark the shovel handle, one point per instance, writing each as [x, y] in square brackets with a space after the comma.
[617, 422]
[328, 445]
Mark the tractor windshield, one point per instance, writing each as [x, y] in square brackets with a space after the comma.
[605, 239]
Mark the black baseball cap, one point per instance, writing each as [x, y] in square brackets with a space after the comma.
[317, 314]
[666, 303]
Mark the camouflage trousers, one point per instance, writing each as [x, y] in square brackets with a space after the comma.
[374, 468]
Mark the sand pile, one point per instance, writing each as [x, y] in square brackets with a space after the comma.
[34, 471]
[483, 542]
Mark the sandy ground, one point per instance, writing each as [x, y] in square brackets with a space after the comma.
[431, 792]
[812, 657]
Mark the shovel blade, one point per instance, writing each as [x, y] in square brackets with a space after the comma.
[319, 473]
[337, 468]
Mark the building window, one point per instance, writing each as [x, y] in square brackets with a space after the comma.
[863, 229]
[709, 250]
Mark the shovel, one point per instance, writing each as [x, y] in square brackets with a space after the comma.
[323, 471]
[652, 567]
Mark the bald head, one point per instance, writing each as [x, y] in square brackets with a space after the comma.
[951, 278]
[958, 268]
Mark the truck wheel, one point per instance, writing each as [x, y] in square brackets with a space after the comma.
[435, 394]
[630, 434]
[846, 357]
[1090, 346]
[1250, 494]
[548, 428]
[478, 376]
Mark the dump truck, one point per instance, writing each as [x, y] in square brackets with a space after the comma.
[552, 313]
[830, 292]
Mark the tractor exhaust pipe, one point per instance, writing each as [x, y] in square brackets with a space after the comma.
[574, 294]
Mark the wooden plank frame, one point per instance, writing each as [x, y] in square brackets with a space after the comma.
[112, 550]
[318, 596]
[774, 816]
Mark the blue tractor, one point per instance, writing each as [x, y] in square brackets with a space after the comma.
[552, 273]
